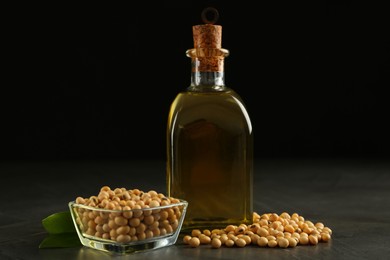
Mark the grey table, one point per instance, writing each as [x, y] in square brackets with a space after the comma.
[352, 197]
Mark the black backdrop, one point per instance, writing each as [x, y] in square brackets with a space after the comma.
[96, 82]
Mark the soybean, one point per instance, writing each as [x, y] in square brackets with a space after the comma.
[216, 243]
[194, 242]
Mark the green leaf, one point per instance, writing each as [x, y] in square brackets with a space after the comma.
[61, 231]
[60, 241]
[59, 223]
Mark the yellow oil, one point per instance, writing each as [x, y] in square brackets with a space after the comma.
[210, 158]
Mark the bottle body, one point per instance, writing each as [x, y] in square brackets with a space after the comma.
[210, 157]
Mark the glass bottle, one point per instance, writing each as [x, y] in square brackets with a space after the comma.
[210, 141]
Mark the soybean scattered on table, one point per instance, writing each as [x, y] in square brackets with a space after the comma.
[267, 230]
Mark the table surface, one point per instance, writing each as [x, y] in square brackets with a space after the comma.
[351, 196]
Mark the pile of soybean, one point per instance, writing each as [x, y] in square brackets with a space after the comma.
[124, 215]
[267, 230]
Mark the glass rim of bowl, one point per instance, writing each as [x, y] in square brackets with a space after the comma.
[180, 203]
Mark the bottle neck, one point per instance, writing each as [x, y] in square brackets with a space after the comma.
[208, 79]
[207, 69]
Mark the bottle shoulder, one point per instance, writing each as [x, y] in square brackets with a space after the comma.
[223, 108]
[222, 92]
[226, 102]
[227, 94]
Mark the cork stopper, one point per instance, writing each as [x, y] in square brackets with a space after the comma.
[208, 36]
[208, 50]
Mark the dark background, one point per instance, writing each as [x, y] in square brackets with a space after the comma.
[96, 82]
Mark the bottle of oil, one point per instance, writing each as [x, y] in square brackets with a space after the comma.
[210, 141]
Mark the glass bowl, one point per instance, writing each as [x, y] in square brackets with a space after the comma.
[128, 231]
